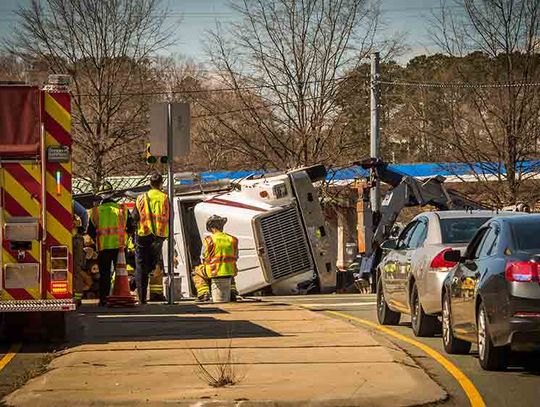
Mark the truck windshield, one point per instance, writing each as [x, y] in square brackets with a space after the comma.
[460, 230]
[526, 235]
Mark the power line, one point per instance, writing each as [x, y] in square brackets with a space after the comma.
[251, 108]
[463, 85]
[269, 105]
[224, 89]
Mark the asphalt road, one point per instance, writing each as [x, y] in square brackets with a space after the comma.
[518, 386]
[20, 362]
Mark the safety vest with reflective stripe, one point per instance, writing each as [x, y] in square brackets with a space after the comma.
[153, 220]
[109, 220]
[220, 255]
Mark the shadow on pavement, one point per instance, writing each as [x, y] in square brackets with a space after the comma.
[154, 322]
[528, 364]
[151, 322]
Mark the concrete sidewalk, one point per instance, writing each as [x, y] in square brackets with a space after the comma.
[281, 355]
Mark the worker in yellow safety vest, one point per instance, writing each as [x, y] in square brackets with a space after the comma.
[152, 216]
[219, 257]
[108, 226]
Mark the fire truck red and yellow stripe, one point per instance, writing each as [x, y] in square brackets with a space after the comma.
[23, 190]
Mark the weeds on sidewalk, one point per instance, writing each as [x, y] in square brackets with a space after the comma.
[221, 373]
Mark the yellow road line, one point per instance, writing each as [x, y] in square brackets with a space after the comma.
[12, 352]
[468, 387]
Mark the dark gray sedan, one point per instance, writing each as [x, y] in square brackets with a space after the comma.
[492, 296]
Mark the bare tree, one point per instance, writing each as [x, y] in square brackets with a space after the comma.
[11, 68]
[106, 46]
[495, 125]
[284, 61]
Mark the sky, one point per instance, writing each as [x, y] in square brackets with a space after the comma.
[194, 17]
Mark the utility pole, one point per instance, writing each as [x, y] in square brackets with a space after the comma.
[170, 192]
[375, 139]
[372, 218]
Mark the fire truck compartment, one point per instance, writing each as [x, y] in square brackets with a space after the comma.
[19, 121]
[22, 275]
[21, 229]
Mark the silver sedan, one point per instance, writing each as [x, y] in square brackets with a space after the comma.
[411, 275]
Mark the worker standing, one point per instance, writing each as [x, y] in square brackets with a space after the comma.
[220, 252]
[78, 260]
[152, 215]
[108, 227]
[80, 224]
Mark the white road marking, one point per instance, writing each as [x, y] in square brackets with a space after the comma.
[343, 304]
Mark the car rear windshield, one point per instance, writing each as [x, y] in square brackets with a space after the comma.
[460, 230]
[526, 235]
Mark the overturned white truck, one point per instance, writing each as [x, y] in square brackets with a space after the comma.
[278, 220]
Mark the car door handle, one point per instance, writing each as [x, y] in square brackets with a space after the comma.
[477, 274]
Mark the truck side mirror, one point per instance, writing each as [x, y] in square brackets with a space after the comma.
[453, 256]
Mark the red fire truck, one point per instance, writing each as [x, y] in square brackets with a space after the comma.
[36, 214]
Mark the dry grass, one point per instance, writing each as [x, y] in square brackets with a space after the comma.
[221, 373]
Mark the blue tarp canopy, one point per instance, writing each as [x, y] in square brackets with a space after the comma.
[349, 174]
[420, 170]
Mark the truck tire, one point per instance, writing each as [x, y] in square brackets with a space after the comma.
[385, 315]
[452, 345]
[423, 325]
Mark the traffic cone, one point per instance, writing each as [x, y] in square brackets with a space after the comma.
[121, 296]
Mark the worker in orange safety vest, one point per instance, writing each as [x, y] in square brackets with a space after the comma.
[152, 216]
[108, 226]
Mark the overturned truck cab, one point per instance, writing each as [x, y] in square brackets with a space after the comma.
[278, 220]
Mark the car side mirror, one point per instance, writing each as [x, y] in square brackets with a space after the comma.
[395, 232]
[452, 255]
[389, 244]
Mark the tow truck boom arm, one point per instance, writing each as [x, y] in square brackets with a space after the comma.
[408, 191]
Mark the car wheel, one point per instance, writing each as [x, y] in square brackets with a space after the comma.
[452, 345]
[422, 324]
[491, 357]
[385, 315]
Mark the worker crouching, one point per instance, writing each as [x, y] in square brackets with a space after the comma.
[219, 257]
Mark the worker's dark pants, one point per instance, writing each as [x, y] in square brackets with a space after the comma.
[106, 258]
[147, 255]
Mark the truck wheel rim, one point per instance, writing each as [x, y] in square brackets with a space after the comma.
[446, 322]
[481, 335]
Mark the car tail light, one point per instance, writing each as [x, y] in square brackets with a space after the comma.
[521, 271]
[439, 262]
[527, 314]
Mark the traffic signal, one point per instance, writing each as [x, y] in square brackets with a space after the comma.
[152, 159]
